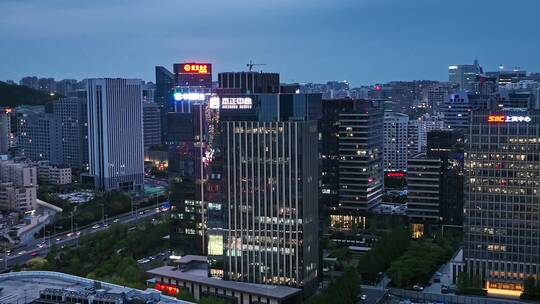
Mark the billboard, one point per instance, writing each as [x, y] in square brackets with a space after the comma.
[193, 68]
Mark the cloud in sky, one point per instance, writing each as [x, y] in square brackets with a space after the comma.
[363, 41]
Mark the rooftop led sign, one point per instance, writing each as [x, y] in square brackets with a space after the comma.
[507, 119]
[189, 96]
[195, 68]
[235, 103]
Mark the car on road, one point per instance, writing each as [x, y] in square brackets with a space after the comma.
[116, 221]
[143, 261]
[142, 212]
[363, 297]
[445, 289]
[35, 254]
[418, 287]
[96, 226]
[21, 252]
[58, 239]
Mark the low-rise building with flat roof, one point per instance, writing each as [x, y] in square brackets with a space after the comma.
[48, 287]
[190, 275]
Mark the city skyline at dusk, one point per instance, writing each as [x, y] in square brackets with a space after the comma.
[363, 42]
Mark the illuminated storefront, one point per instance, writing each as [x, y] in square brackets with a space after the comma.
[347, 222]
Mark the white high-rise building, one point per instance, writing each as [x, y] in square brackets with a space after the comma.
[18, 183]
[418, 130]
[395, 141]
[115, 133]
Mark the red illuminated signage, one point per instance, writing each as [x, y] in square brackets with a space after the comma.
[395, 174]
[504, 118]
[195, 68]
[167, 289]
[496, 118]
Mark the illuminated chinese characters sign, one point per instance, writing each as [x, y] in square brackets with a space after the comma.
[214, 102]
[234, 103]
[395, 174]
[196, 68]
[507, 119]
[189, 96]
[167, 289]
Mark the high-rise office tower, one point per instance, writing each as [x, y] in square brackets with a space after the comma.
[250, 82]
[416, 137]
[395, 141]
[163, 96]
[71, 115]
[115, 133]
[447, 146]
[59, 135]
[437, 95]
[272, 220]
[187, 137]
[435, 183]
[269, 182]
[502, 213]
[148, 91]
[39, 136]
[151, 124]
[5, 130]
[164, 85]
[504, 77]
[351, 158]
[184, 154]
[457, 110]
[193, 75]
[464, 75]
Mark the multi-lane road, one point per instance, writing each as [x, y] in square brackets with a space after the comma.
[40, 247]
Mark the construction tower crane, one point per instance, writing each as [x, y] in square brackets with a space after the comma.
[250, 65]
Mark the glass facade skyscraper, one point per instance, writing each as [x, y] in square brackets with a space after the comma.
[502, 197]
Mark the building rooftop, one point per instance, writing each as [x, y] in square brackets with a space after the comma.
[271, 291]
[26, 286]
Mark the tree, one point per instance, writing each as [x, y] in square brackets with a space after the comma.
[470, 284]
[387, 249]
[185, 295]
[211, 300]
[346, 288]
[531, 289]
[38, 264]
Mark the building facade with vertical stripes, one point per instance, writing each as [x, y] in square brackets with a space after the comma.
[115, 133]
[502, 198]
[271, 181]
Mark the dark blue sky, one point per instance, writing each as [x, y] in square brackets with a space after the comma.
[363, 41]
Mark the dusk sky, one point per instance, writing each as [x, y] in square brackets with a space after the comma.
[362, 41]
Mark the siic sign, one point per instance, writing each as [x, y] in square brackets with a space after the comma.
[195, 68]
[506, 118]
[234, 103]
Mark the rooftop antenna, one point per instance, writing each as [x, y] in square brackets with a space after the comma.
[250, 65]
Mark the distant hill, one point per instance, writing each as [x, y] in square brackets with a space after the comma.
[12, 95]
